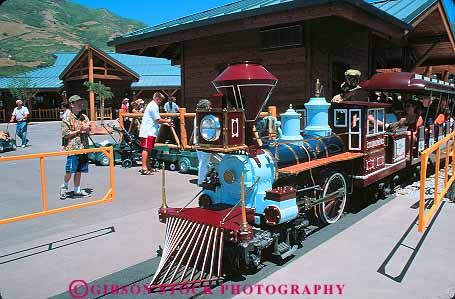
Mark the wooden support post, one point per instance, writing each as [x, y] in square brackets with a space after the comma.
[272, 111]
[165, 93]
[90, 79]
[445, 75]
[137, 95]
[424, 57]
[428, 71]
[177, 141]
[183, 136]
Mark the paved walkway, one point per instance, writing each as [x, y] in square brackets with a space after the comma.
[382, 256]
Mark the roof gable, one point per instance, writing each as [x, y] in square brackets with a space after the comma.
[83, 54]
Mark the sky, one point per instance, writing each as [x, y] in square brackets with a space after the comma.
[153, 12]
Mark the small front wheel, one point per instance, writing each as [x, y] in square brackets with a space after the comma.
[172, 166]
[127, 163]
[104, 161]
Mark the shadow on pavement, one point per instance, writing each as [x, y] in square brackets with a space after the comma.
[401, 243]
[14, 256]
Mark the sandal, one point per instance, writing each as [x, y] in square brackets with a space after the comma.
[145, 172]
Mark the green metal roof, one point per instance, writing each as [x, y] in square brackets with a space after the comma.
[152, 72]
[405, 10]
[248, 8]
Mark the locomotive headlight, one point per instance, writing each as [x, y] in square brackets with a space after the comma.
[210, 127]
[272, 215]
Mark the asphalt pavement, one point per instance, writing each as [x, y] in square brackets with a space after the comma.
[372, 252]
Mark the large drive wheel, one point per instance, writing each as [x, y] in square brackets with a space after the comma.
[330, 211]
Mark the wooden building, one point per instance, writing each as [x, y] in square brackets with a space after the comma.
[298, 41]
[129, 76]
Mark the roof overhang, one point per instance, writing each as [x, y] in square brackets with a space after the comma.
[447, 10]
[359, 4]
[104, 56]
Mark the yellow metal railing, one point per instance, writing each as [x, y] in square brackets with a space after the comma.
[108, 197]
[445, 144]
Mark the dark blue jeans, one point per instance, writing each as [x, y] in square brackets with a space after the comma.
[21, 131]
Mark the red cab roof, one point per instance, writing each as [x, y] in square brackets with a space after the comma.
[406, 82]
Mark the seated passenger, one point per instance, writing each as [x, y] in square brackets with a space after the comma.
[413, 120]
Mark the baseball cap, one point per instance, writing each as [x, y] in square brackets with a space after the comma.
[74, 98]
[354, 73]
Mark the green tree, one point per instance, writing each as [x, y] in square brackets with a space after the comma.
[102, 91]
[23, 89]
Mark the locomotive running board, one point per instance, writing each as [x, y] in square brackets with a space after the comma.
[295, 169]
[192, 255]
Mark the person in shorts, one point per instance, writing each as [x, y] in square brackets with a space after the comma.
[149, 129]
[75, 130]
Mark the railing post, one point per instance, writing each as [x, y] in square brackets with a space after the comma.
[43, 184]
[111, 172]
[183, 136]
[436, 182]
[423, 175]
[446, 168]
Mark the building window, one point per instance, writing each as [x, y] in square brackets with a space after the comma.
[282, 37]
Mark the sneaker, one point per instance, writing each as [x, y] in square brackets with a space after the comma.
[63, 192]
[82, 193]
[23, 145]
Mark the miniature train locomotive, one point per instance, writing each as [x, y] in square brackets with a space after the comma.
[259, 197]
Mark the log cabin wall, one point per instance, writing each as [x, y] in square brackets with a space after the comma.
[331, 40]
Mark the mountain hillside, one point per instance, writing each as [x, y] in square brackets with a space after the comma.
[32, 30]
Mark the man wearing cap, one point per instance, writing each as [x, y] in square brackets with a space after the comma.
[149, 129]
[138, 106]
[75, 130]
[350, 89]
[171, 106]
[20, 114]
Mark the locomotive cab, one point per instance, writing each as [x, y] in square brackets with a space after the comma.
[362, 125]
